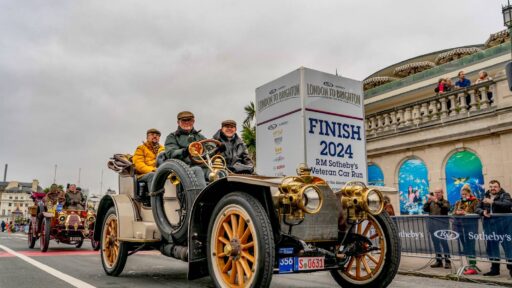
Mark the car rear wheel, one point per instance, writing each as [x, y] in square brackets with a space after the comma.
[113, 252]
[376, 268]
[240, 243]
[45, 234]
[31, 238]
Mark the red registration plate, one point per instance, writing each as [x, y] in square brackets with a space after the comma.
[309, 263]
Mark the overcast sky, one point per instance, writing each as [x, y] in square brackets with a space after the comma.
[82, 80]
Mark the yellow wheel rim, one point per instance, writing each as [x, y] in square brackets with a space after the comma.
[364, 267]
[234, 251]
[110, 242]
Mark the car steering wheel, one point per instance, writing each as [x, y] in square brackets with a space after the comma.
[200, 150]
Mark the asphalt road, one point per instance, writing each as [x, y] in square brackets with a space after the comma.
[65, 266]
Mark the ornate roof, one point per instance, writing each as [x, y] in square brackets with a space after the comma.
[427, 61]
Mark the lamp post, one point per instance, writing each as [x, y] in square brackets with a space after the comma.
[507, 18]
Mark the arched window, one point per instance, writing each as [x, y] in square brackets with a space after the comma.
[413, 186]
[375, 175]
[462, 168]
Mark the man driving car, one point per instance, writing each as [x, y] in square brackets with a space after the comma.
[177, 142]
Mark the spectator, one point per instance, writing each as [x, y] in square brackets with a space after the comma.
[482, 77]
[448, 85]
[496, 200]
[388, 207]
[441, 84]
[144, 158]
[234, 149]
[3, 225]
[464, 226]
[463, 82]
[436, 205]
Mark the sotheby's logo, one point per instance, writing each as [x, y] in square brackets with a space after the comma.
[446, 234]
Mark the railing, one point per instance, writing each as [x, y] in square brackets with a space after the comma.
[437, 71]
[456, 104]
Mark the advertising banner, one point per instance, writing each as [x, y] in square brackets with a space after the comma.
[469, 235]
[320, 117]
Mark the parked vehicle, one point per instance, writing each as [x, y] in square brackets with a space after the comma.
[242, 229]
[49, 221]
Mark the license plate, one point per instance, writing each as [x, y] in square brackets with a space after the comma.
[308, 263]
[286, 265]
[75, 238]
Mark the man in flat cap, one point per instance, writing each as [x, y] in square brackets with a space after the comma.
[176, 143]
[234, 149]
[144, 158]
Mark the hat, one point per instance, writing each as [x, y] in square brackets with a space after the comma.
[153, 130]
[185, 114]
[228, 122]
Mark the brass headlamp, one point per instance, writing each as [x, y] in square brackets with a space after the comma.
[357, 200]
[300, 194]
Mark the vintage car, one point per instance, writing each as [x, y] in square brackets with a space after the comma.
[49, 221]
[242, 229]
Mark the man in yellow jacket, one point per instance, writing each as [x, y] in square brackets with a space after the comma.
[144, 157]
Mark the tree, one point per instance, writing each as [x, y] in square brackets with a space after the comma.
[249, 130]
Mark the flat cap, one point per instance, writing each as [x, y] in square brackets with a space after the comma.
[153, 130]
[228, 123]
[185, 114]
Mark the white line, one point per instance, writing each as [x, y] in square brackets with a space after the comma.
[64, 277]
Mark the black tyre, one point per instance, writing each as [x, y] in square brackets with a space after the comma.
[45, 234]
[31, 238]
[240, 247]
[79, 243]
[373, 269]
[113, 252]
[187, 189]
[95, 245]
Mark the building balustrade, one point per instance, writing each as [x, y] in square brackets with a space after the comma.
[460, 103]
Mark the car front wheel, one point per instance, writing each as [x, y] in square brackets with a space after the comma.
[240, 243]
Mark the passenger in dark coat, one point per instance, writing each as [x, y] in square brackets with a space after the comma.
[233, 148]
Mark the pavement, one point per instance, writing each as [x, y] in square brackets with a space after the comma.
[419, 265]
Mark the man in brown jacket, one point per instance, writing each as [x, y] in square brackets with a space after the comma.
[436, 205]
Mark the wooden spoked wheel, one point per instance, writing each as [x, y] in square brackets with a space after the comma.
[111, 246]
[366, 266]
[113, 252]
[234, 248]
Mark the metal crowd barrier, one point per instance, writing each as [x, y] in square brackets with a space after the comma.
[485, 239]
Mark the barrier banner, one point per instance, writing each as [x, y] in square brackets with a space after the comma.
[469, 235]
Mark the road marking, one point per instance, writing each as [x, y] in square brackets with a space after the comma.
[37, 253]
[64, 277]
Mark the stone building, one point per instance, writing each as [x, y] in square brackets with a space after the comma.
[15, 198]
[418, 139]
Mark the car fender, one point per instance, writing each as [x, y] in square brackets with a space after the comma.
[125, 210]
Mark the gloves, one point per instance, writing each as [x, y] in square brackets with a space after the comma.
[221, 148]
[184, 153]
